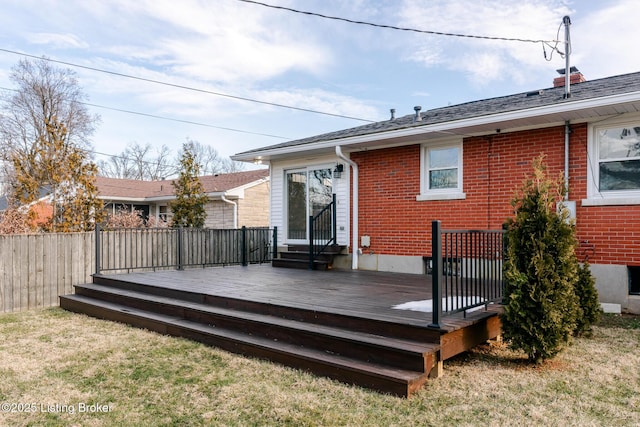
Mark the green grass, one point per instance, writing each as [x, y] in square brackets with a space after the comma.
[52, 357]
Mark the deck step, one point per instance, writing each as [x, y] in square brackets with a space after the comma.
[336, 318]
[385, 378]
[303, 264]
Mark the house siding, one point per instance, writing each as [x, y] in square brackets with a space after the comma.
[340, 188]
[219, 214]
[253, 209]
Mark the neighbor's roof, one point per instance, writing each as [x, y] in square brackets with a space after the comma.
[115, 188]
[549, 102]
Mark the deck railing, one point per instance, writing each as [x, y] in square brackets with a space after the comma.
[145, 249]
[322, 231]
[466, 268]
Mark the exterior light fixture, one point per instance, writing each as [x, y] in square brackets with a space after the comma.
[337, 172]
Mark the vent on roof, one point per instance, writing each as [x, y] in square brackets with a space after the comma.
[418, 116]
[535, 93]
[393, 114]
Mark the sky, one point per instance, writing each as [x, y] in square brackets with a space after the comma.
[212, 53]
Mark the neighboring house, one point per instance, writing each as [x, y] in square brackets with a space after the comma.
[235, 199]
[462, 164]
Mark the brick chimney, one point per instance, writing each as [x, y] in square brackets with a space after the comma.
[575, 77]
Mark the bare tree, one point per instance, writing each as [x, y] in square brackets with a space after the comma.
[210, 160]
[43, 94]
[140, 162]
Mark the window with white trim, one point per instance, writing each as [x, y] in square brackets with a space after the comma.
[614, 160]
[441, 171]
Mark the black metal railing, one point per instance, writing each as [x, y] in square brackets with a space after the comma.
[466, 268]
[322, 231]
[135, 249]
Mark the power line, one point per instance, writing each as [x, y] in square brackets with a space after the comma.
[393, 27]
[184, 121]
[171, 119]
[193, 89]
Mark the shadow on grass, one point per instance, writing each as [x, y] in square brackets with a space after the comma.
[622, 321]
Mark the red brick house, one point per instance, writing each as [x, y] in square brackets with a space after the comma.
[462, 164]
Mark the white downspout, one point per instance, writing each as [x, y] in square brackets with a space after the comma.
[354, 228]
[235, 210]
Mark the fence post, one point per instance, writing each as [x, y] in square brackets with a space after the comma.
[179, 248]
[436, 273]
[244, 246]
[98, 252]
[275, 243]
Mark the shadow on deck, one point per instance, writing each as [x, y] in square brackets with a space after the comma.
[339, 324]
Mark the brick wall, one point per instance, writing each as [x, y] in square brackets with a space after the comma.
[494, 168]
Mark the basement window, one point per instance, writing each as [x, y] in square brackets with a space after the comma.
[634, 280]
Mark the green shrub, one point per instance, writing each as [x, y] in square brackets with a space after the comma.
[590, 310]
[541, 307]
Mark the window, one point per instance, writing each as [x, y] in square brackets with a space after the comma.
[634, 280]
[441, 171]
[614, 157]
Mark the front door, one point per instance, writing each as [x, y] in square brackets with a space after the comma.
[308, 191]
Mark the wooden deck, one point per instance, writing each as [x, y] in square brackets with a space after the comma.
[336, 323]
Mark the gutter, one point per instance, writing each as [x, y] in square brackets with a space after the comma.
[354, 226]
[235, 210]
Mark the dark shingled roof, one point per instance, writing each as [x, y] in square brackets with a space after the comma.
[592, 89]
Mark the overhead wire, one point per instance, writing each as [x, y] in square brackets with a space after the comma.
[184, 87]
[394, 27]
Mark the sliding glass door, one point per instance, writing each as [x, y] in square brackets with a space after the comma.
[307, 192]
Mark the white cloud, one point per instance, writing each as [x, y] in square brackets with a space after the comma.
[604, 41]
[57, 40]
[483, 60]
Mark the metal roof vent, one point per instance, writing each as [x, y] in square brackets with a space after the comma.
[418, 116]
[393, 114]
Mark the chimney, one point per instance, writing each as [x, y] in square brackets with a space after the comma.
[575, 77]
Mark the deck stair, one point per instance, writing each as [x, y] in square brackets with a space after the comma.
[376, 354]
[297, 256]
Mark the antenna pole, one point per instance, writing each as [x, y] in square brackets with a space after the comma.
[567, 53]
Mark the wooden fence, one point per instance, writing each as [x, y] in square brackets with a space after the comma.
[36, 268]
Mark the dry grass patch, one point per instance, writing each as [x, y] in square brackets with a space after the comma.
[54, 357]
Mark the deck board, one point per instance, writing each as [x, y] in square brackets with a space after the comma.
[358, 293]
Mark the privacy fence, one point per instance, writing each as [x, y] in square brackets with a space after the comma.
[36, 269]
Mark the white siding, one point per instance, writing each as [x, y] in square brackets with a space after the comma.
[340, 187]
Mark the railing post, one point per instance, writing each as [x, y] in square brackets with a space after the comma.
[311, 238]
[334, 223]
[275, 243]
[436, 273]
[98, 252]
[244, 246]
[179, 248]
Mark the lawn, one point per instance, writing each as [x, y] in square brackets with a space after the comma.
[59, 368]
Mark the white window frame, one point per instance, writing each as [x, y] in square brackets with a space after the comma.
[595, 197]
[441, 193]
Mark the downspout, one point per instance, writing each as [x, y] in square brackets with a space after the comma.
[354, 228]
[235, 210]
[567, 133]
